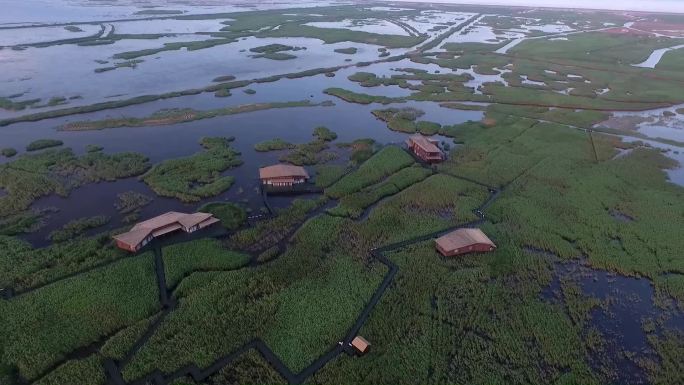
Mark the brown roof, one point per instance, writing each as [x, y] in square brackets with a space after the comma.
[425, 143]
[133, 237]
[160, 221]
[190, 220]
[463, 237]
[282, 171]
[360, 343]
[163, 224]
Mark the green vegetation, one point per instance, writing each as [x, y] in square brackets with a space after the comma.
[24, 267]
[354, 97]
[27, 221]
[223, 93]
[34, 175]
[347, 51]
[249, 91]
[440, 321]
[276, 56]
[405, 120]
[225, 78]
[273, 145]
[175, 116]
[93, 148]
[232, 216]
[386, 162]
[310, 153]
[268, 233]
[464, 107]
[159, 12]
[43, 143]
[273, 48]
[306, 153]
[77, 227]
[9, 104]
[361, 150]
[73, 28]
[619, 49]
[275, 51]
[338, 35]
[8, 152]
[251, 366]
[130, 203]
[198, 176]
[190, 46]
[671, 61]
[353, 205]
[200, 255]
[268, 302]
[44, 326]
[124, 64]
[324, 134]
[327, 174]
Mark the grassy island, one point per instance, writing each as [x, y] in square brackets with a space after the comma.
[198, 176]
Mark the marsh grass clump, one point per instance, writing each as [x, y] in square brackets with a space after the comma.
[275, 51]
[405, 120]
[179, 115]
[276, 56]
[48, 324]
[225, 78]
[354, 97]
[324, 134]
[35, 175]
[199, 255]
[131, 201]
[273, 145]
[78, 227]
[231, 215]
[8, 152]
[361, 149]
[43, 143]
[327, 174]
[347, 51]
[386, 162]
[353, 205]
[198, 176]
[93, 148]
[9, 104]
[313, 152]
[73, 28]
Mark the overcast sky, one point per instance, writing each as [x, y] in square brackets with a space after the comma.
[635, 5]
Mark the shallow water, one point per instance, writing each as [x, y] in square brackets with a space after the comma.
[655, 57]
[47, 72]
[349, 121]
[379, 26]
[627, 303]
[9, 37]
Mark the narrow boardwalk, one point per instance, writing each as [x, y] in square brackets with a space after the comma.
[114, 369]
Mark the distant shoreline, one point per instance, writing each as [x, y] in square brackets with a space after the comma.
[652, 6]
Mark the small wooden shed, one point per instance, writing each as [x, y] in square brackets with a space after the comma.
[463, 241]
[360, 345]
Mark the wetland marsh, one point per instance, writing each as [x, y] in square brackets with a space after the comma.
[562, 131]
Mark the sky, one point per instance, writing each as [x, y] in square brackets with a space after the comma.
[632, 5]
